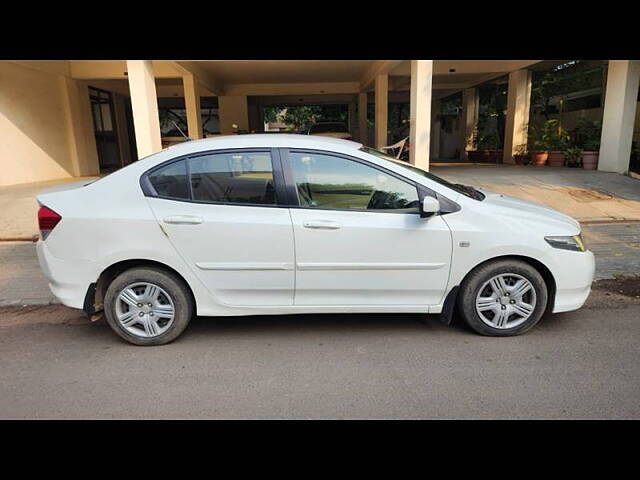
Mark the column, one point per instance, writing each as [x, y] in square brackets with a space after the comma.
[233, 110]
[382, 109]
[470, 111]
[517, 121]
[144, 103]
[420, 112]
[362, 118]
[192, 105]
[618, 118]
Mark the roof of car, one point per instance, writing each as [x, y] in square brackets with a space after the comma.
[264, 140]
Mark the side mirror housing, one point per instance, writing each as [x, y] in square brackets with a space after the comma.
[429, 206]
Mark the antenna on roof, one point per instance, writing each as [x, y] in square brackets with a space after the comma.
[183, 134]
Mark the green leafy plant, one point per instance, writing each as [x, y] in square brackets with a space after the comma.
[586, 134]
[488, 141]
[573, 157]
[548, 136]
[558, 137]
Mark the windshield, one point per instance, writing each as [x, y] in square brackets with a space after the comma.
[328, 127]
[458, 187]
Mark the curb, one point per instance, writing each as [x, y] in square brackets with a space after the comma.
[26, 302]
[598, 221]
[21, 238]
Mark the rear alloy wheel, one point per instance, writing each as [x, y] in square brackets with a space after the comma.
[148, 306]
[145, 309]
[503, 298]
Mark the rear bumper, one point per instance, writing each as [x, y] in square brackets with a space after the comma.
[573, 280]
[68, 279]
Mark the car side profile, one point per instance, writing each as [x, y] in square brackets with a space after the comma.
[286, 224]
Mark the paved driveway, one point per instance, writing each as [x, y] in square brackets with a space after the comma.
[586, 195]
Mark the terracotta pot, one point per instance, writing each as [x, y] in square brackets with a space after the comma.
[520, 159]
[556, 159]
[539, 159]
[590, 160]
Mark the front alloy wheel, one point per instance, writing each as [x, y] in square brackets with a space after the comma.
[506, 301]
[502, 298]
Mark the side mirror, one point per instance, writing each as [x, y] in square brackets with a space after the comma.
[430, 206]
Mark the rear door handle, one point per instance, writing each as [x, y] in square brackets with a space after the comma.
[322, 225]
[183, 220]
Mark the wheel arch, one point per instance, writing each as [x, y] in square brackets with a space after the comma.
[94, 298]
[544, 271]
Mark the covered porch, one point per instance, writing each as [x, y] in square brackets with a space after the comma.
[79, 118]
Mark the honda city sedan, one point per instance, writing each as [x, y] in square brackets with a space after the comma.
[293, 224]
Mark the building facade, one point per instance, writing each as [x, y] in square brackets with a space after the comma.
[61, 119]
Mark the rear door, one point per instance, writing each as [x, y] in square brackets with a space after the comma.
[359, 237]
[221, 210]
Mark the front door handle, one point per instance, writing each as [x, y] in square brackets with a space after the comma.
[183, 220]
[322, 225]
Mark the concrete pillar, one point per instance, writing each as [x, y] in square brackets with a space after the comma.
[420, 112]
[517, 121]
[352, 118]
[470, 112]
[144, 103]
[79, 126]
[362, 118]
[382, 109]
[233, 110]
[435, 130]
[618, 117]
[192, 105]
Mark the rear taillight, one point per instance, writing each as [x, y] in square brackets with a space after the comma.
[47, 221]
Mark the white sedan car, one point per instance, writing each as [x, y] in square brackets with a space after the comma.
[286, 224]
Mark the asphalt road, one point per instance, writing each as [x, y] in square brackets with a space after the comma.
[584, 364]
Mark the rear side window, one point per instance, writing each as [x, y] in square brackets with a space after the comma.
[235, 177]
[171, 181]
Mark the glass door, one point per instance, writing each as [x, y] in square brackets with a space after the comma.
[105, 130]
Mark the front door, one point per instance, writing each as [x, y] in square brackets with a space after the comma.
[228, 225]
[104, 125]
[359, 238]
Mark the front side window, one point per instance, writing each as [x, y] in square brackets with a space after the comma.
[171, 181]
[326, 181]
[233, 178]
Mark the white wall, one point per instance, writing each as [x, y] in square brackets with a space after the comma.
[38, 113]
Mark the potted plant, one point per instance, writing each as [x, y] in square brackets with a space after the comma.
[558, 141]
[573, 157]
[591, 154]
[487, 149]
[538, 145]
[587, 136]
[521, 157]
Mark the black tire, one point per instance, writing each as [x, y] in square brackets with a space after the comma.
[170, 283]
[471, 285]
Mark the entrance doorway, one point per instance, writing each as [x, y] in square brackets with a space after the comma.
[104, 126]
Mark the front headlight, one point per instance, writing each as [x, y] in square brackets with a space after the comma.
[573, 243]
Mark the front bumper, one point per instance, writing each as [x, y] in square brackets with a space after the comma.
[574, 273]
[68, 279]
